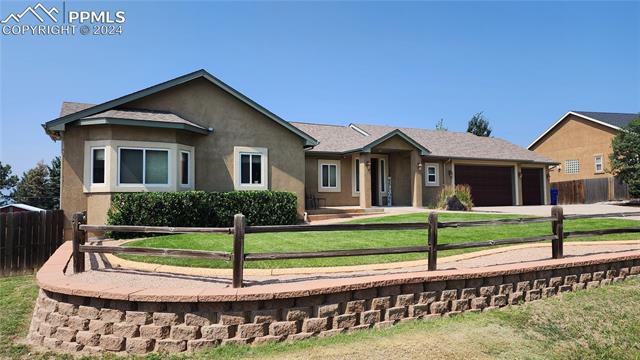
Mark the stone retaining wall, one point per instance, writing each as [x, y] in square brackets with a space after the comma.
[74, 323]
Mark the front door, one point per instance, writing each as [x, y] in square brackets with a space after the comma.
[375, 187]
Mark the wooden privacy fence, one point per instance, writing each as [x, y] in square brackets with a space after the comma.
[589, 191]
[27, 239]
[239, 229]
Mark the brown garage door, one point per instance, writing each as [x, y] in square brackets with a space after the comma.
[531, 186]
[490, 185]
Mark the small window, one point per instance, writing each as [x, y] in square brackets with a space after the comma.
[251, 169]
[97, 166]
[357, 175]
[571, 166]
[382, 176]
[599, 163]
[144, 166]
[328, 176]
[431, 176]
[184, 167]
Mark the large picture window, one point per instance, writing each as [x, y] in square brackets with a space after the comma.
[143, 166]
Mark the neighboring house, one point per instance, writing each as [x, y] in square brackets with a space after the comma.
[18, 208]
[196, 132]
[581, 142]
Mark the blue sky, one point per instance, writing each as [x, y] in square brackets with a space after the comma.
[407, 64]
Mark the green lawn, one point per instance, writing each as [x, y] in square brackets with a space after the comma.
[17, 297]
[602, 323]
[339, 240]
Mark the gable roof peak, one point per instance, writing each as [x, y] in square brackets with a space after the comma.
[613, 120]
[58, 124]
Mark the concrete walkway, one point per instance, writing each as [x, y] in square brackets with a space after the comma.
[103, 272]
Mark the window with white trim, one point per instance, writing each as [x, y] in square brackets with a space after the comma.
[356, 175]
[250, 169]
[431, 175]
[140, 166]
[328, 176]
[97, 165]
[185, 160]
[571, 166]
[599, 163]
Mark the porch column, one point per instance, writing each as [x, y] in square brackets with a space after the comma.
[545, 185]
[365, 181]
[517, 183]
[416, 179]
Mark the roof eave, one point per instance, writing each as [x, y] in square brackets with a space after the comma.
[523, 161]
[145, 123]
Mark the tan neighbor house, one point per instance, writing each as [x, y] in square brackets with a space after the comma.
[196, 132]
[580, 142]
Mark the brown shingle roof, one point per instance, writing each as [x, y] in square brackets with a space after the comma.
[127, 114]
[342, 139]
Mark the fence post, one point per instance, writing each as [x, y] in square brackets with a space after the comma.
[559, 232]
[78, 239]
[238, 249]
[554, 241]
[433, 241]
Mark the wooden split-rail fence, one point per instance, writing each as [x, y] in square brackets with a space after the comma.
[239, 229]
[28, 238]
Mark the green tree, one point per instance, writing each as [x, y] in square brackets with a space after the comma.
[53, 188]
[440, 125]
[625, 158]
[40, 186]
[479, 125]
[7, 182]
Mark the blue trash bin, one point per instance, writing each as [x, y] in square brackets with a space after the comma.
[554, 196]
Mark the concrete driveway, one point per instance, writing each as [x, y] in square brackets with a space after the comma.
[545, 210]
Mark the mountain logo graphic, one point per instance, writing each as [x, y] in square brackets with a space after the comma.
[16, 17]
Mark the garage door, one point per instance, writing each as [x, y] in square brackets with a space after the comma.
[490, 185]
[531, 186]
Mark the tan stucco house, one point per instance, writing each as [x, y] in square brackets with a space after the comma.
[196, 132]
[580, 142]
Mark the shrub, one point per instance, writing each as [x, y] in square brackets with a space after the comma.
[201, 209]
[462, 192]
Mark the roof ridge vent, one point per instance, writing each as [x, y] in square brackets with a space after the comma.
[357, 129]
